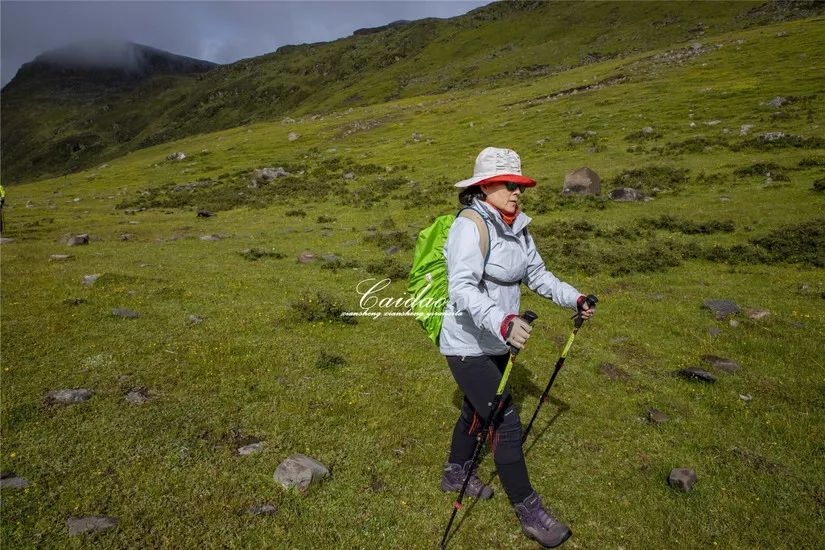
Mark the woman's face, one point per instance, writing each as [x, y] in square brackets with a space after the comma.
[501, 198]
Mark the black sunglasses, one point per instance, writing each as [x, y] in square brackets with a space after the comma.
[513, 186]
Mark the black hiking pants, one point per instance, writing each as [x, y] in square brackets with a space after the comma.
[478, 378]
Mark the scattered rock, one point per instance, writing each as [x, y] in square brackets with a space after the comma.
[682, 478]
[68, 396]
[126, 236]
[712, 122]
[647, 130]
[745, 129]
[583, 181]
[613, 372]
[265, 509]
[306, 257]
[266, 175]
[78, 240]
[137, 396]
[756, 314]
[125, 313]
[89, 280]
[722, 309]
[251, 448]
[348, 175]
[619, 339]
[60, 257]
[300, 471]
[733, 323]
[9, 480]
[771, 136]
[209, 238]
[656, 416]
[695, 373]
[721, 363]
[29, 204]
[746, 397]
[331, 258]
[195, 320]
[293, 136]
[417, 137]
[625, 194]
[180, 155]
[6, 240]
[86, 524]
[778, 101]
[392, 250]
[205, 214]
[714, 331]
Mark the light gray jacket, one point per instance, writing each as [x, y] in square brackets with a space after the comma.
[476, 307]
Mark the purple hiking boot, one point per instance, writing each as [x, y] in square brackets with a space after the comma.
[539, 525]
[453, 479]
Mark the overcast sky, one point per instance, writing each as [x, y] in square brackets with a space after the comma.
[222, 32]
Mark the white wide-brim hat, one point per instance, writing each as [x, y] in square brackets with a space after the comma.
[495, 164]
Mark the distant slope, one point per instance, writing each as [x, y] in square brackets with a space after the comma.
[47, 130]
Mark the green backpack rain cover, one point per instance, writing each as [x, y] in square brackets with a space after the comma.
[427, 282]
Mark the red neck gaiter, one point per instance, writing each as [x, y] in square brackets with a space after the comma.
[508, 218]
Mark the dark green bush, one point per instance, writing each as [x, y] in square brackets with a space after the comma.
[647, 178]
[819, 184]
[387, 239]
[254, 254]
[327, 361]
[320, 307]
[687, 227]
[390, 268]
[325, 219]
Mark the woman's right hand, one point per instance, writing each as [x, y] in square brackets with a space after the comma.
[515, 330]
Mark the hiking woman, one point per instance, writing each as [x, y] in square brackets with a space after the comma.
[481, 321]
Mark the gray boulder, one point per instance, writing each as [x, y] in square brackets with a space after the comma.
[625, 194]
[78, 240]
[89, 280]
[583, 181]
[9, 480]
[656, 416]
[125, 313]
[89, 524]
[777, 102]
[300, 471]
[265, 175]
[179, 155]
[263, 510]
[68, 396]
[695, 373]
[722, 309]
[59, 257]
[682, 478]
[721, 363]
[252, 448]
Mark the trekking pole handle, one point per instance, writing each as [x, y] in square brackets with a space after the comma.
[591, 301]
[528, 316]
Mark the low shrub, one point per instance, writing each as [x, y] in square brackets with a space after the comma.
[253, 254]
[327, 361]
[648, 178]
[687, 227]
[320, 307]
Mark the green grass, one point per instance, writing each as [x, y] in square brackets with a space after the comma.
[374, 400]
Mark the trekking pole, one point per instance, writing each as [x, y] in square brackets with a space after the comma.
[528, 316]
[591, 301]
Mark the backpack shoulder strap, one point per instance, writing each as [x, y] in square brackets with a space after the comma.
[483, 231]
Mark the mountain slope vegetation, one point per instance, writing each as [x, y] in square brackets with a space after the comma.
[49, 132]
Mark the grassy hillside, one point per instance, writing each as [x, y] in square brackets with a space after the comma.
[48, 134]
[736, 214]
